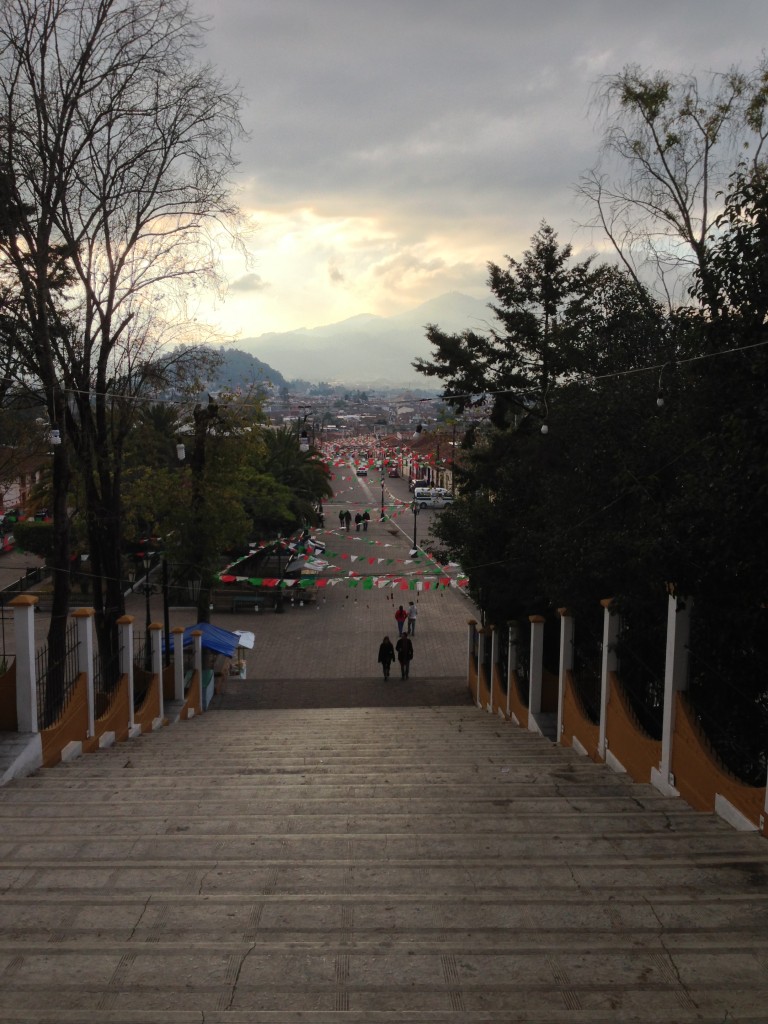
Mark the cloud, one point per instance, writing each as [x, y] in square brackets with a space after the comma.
[249, 283]
[393, 149]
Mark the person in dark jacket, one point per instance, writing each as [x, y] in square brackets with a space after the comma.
[405, 655]
[386, 655]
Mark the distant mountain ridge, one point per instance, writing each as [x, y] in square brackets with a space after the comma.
[367, 350]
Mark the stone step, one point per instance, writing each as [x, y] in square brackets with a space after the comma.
[369, 865]
[664, 1014]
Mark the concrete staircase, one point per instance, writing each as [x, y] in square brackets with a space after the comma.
[369, 864]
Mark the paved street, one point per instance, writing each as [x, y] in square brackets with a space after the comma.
[339, 634]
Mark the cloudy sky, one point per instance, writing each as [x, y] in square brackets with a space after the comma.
[395, 146]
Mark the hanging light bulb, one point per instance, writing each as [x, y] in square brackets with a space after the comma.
[544, 428]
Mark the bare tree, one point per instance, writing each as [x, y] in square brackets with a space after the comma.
[669, 146]
[115, 153]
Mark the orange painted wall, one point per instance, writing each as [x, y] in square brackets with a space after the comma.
[472, 679]
[72, 727]
[627, 740]
[116, 718]
[699, 774]
[192, 701]
[169, 682]
[516, 705]
[150, 707]
[498, 694]
[485, 690]
[576, 722]
[550, 686]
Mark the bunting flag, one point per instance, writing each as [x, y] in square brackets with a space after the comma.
[354, 580]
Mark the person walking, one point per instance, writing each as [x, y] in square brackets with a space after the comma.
[347, 519]
[412, 613]
[358, 520]
[386, 655]
[341, 518]
[404, 656]
[366, 520]
[401, 617]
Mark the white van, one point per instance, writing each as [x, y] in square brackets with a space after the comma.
[431, 492]
[428, 500]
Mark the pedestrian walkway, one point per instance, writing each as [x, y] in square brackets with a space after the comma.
[338, 636]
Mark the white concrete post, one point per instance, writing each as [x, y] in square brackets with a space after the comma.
[609, 663]
[26, 680]
[566, 663]
[511, 661]
[675, 680]
[480, 660]
[178, 663]
[156, 645]
[536, 671]
[125, 625]
[494, 660]
[471, 624]
[197, 642]
[84, 621]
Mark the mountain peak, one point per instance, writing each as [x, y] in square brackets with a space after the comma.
[366, 348]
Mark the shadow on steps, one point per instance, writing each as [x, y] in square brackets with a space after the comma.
[252, 694]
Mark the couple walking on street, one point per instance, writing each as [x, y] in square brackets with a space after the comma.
[402, 617]
[404, 655]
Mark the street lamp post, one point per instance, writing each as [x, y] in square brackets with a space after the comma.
[166, 614]
[453, 461]
[146, 562]
[415, 510]
[279, 595]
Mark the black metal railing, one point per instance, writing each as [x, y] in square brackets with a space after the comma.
[641, 649]
[588, 661]
[523, 671]
[502, 644]
[728, 686]
[56, 678]
[142, 680]
[106, 680]
[488, 659]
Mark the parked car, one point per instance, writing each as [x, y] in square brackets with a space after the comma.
[417, 483]
[435, 501]
[362, 471]
[393, 472]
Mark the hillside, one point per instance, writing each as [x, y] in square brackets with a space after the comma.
[367, 350]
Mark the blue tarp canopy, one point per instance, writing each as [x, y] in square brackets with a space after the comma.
[214, 639]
